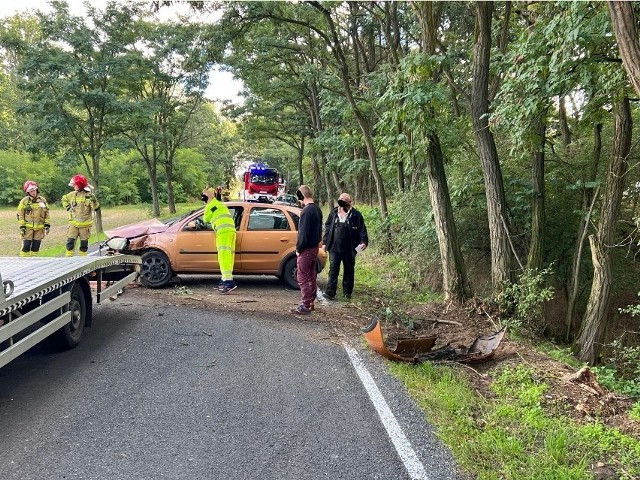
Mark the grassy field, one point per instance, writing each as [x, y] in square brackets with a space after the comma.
[53, 244]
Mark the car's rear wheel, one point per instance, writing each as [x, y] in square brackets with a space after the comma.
[156, 269]
[290, 274]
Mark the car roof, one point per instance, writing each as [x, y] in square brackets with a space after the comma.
[290, 208]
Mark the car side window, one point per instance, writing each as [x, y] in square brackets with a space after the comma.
[295, 218]
[236, 213]
[198, 222]
[265, 218]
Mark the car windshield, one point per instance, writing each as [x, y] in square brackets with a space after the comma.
[264, 179]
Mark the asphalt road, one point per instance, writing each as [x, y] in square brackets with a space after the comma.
[162, 391]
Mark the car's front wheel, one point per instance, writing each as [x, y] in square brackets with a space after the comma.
[156, 269]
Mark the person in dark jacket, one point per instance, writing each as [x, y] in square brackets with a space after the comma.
[307, 246]
[345, 234]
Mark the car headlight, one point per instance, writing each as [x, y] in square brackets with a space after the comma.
[117, 243]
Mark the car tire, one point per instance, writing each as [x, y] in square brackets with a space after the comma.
[156, 269]
[290, 273]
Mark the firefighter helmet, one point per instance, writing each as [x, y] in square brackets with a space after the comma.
[30, 185]
[78, 181]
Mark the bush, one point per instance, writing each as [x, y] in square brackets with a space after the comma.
[521, 302]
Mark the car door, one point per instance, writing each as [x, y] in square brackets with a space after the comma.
[195, 245]
[269, 235]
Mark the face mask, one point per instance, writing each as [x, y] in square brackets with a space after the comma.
[343, 204]
[299, 195]
[204, 198]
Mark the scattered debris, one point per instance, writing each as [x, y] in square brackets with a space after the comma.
[586, 379]
[419, 349]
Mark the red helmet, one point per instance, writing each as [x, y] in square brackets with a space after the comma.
[30, 185]
[78, 181]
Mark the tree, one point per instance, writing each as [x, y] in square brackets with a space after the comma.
[501, 254]
[594, 322]
[455, 284]
[71, 82]
[624, 21]
[167, 86]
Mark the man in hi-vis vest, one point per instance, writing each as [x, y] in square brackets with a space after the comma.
[80, 204]
[217, 214]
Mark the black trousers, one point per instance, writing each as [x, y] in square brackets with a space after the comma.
[349, 263]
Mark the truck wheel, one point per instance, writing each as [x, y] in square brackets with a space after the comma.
[70, 335]
[290, 274]
[156, 269]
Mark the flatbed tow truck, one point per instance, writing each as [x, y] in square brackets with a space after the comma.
[43, 297]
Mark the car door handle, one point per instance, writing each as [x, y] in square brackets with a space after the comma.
[284, 240]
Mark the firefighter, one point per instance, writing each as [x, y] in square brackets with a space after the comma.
[217, 214]
[33, 219]
[81, 205]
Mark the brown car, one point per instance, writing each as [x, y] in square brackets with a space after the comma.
[265, 244]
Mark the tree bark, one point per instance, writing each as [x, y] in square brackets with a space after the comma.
[624, 25]
[587, 207]
[363, 122]
[594, 325]
[535, 259]
[501, 254]
[564, 124]
[455, 284]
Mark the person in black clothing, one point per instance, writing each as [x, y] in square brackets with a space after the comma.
[307, 246]
[345, 234]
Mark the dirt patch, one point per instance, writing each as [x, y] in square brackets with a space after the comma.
[580, 398]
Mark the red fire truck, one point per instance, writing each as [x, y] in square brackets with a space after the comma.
[260, 183]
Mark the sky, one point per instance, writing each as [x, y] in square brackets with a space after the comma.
[222, 85]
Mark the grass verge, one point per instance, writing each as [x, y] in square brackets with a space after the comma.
[508, 434]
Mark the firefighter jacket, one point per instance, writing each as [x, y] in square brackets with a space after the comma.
[33, 212]
[80, 206]
[217, 214]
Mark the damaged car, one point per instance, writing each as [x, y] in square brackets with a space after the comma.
[265, 244]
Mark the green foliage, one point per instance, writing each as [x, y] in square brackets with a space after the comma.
[512, 436]
[18, 167]
[633, 310]
[620, 369]
[521, 302]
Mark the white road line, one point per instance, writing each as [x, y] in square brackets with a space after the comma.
[408, 456]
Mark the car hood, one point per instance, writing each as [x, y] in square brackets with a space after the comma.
[146, 227]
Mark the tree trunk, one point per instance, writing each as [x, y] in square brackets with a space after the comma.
[501, 254]
[454, 274]
[400, 171]
[96, 184]
[299, 164]
[363, 123]
[624, 25]
[594, 324]
[326, 177]
[171, 197]
[587, 207]
[564, 124]
[536, 250]
[455, 285]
